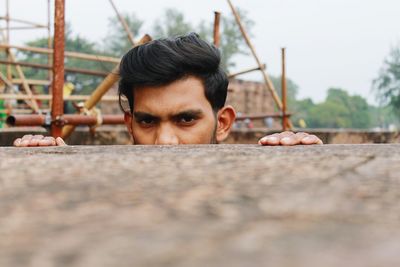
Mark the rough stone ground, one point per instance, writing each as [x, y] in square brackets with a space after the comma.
[222, 205]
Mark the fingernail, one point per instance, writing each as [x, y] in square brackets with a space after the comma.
[286, 140]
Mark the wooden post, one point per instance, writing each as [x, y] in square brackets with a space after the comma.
[217, 19]
[285, 124]
[7, 39]
[49, 62]
[57, 108]
[267, 80]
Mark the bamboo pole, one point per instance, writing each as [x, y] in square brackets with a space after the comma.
[124, 23]
[102, 89]
[41, 66]
[267, 80]
[245, 71]
[7, 38]
[217, 19]
[21, 74]
[285, 123]
[5, 80]
[32, 82]
[23, 28]
[23, 21]
[25, 85]
[72, 54]
[49, 59]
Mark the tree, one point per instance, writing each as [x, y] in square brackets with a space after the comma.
[340, 110]
[83, 83]
[172, 23]
[292, 89]
[116, 43]
[387, 85]
[231, 40]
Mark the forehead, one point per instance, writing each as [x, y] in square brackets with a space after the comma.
[187, 93]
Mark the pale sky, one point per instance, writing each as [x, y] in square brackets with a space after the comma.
[330, 43]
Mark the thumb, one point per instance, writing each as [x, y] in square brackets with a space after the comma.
[60, 142]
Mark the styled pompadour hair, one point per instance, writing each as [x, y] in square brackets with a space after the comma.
[163, 61]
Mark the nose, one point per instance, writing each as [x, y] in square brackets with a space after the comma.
[166, 136]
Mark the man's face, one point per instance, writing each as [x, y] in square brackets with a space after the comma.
[177, 113]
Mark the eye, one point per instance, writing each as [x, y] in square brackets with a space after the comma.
[186, 120]
[146, 122]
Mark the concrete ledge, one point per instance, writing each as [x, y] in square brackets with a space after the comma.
[216, 205]
[117, 135]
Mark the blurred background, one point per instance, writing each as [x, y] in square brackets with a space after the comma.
[342, 60]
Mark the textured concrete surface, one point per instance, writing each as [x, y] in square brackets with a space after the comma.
[222, 205]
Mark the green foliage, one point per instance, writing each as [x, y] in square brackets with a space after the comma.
[387, 85]
[84, 84]
[231, 40]
[292, 89]
[173, 23]
[116, 43]
[339, 110]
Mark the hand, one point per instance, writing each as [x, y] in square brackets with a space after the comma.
[38, 140]
[290, 139]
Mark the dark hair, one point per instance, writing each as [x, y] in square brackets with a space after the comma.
[163, 61]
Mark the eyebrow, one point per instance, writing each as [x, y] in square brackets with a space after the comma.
[196, 113]
[144, 115]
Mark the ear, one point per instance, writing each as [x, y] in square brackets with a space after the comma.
[128, 123]
[225, 119]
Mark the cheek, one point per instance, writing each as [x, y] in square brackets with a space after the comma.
[201, 133]
[143, 136]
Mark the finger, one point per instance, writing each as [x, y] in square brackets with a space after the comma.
[47, 141]
[311, 140]
[301, 135]
[290, 140]
[60, 142]
[35, 140]
[17, 142]
[269, 140]
[286, 134]
[26, 139]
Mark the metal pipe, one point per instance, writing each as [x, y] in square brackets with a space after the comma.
[57, 108]
[66, 119]
[26, 120]
[66, 69]
[217, 19]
